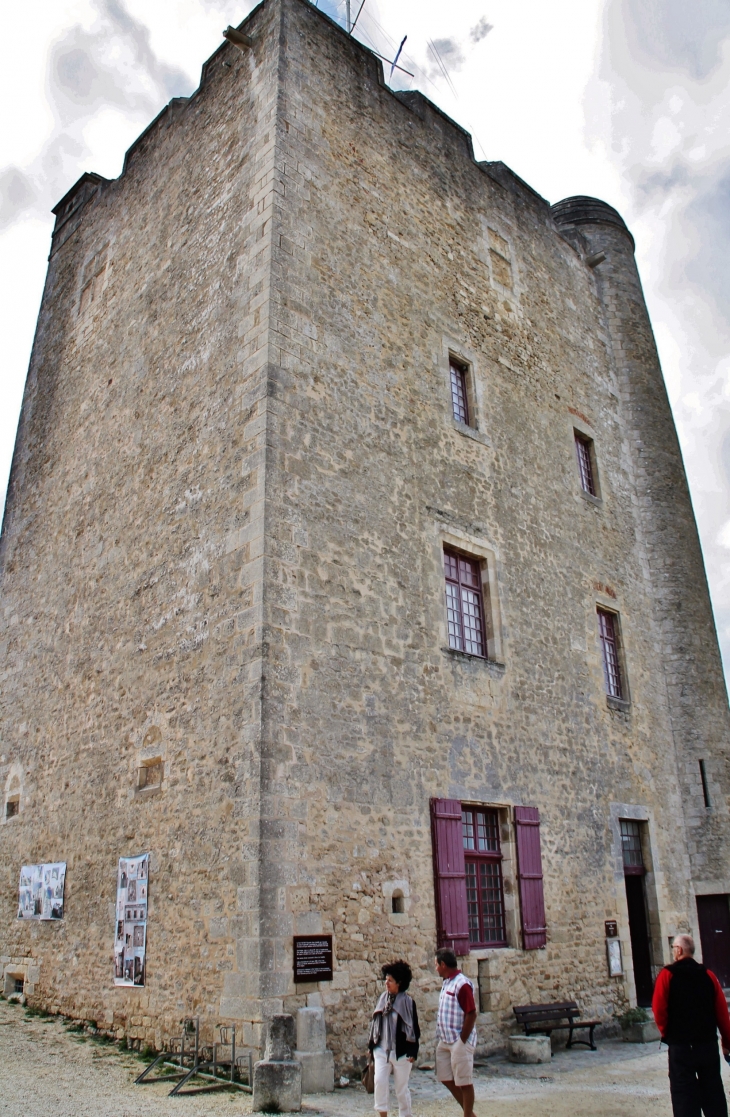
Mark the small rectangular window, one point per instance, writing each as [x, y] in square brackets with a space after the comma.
[483, 865]
[608, 632]
[150, 774]
[459, 393]
[18, 985]
[584, 451]
[464, 604]
[12, 807]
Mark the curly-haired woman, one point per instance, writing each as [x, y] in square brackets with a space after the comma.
[393, 1040]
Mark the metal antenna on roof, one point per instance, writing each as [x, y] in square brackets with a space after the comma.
[354, 25]
[347, 16]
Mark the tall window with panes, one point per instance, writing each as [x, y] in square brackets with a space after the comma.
[459, 394]
[483, 864]
[610, 648]
[586, 467]
[464, 604]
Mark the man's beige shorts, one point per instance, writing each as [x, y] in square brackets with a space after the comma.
[455, 1063]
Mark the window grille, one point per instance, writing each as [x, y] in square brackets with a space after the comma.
[608, 631]
[483, 865]
[631, 846]
[459, 398]
[464, 606]
[585, 464]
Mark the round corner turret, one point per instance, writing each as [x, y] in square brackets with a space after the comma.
[581, 210]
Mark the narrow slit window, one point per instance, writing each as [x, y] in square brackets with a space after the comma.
[705, 786]
[459, 393]
[584, 452]
[12, 807]
[464, 604]
[608, 632]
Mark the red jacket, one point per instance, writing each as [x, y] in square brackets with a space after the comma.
[660, 1004]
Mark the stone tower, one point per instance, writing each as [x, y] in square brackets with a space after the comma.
[349, 569]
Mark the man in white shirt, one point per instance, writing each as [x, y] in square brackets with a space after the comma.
[457, 1037]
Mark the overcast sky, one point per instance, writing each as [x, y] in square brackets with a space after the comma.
[628, 101]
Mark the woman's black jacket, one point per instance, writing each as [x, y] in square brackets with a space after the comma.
[402, 1046]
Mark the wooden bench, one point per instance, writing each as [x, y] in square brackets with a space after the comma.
[544, 1019]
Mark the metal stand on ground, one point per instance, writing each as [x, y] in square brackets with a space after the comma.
[177, 1054]
[203, 1062]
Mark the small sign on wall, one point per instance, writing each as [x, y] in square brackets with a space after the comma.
[611, 926]
[613, 954]
[312, 958]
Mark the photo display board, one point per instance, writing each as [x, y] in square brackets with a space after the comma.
[130, 940]
[40, 895]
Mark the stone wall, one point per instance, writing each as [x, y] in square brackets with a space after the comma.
[236, 471]
[132, 560]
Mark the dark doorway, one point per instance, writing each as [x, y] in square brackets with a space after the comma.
[639, 931]
[713, 913]
[634, 873]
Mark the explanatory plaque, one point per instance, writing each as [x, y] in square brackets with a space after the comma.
[312, 958]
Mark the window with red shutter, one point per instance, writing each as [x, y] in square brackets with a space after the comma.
[529, 874]
[483, 865]
[464, 604]
[450, 874]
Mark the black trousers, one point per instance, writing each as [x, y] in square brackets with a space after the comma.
[694, 1080]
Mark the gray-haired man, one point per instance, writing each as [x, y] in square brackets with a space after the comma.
[689, 1007]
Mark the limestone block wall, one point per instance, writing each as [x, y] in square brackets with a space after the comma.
[236, 472]
[132, 555]
[395, 249]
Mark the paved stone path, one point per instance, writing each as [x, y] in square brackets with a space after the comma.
[47, 1070]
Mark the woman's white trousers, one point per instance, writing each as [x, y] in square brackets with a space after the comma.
[401, 1069]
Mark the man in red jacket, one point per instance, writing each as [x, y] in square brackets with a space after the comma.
[689, 1006]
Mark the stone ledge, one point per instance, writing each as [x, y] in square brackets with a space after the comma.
[491, 665]
[619, 704]
[471, 432]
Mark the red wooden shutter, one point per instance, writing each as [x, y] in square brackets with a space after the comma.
[450, 874]
[529, 872]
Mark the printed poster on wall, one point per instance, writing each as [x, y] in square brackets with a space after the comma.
[130, 941]
[40, 895]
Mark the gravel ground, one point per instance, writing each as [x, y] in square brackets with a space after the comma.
[45, 1069]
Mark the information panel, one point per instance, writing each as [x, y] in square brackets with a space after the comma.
[41, 891]
[130, 942]
[312, 958]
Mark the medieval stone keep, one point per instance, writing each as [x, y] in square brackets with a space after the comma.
[349, 571]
